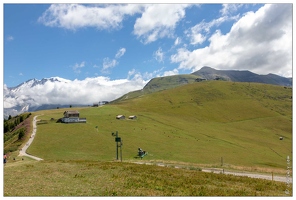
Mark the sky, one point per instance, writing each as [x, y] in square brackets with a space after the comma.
[143, 41]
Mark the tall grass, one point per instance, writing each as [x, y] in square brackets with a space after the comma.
[91, 178]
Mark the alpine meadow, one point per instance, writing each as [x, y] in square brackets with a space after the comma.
[183, 99]
[209, 124]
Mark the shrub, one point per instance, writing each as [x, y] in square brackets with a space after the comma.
[21, 133]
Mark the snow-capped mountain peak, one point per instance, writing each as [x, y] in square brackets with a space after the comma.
[33, 82]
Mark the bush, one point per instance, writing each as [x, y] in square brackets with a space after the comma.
[21, 134]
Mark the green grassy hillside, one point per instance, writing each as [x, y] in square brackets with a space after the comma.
[159, 84]
[191, 126]
[196, 123]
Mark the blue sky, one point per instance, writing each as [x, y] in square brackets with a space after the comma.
[142, 41]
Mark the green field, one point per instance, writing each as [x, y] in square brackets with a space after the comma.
[210, 120]
[199, 124]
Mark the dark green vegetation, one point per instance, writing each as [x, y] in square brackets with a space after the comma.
[92, 178]
[15, 128]
[198, 123]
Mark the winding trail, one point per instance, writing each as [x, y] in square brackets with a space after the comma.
[24, 149]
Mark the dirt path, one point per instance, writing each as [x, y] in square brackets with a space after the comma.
[24, 149]
[248, 174]
[251, 175]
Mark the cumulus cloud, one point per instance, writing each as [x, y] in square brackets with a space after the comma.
[158, 21]
[74, 16]
[66, 92]
[259, 41]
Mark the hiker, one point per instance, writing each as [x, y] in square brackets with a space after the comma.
[140, 151]
[4, 158]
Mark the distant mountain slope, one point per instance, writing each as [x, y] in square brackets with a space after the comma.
[205, 73]
[160, 83]
[242, 76]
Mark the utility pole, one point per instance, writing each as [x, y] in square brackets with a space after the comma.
[118, 144]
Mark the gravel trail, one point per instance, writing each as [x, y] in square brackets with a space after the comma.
[24, 149]
[248, 174]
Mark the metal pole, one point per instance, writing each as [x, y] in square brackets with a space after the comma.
[116, 146]
[120, 152]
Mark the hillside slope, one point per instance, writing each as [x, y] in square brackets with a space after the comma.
[158, 84]
[196, 123]
[205, 73]
[240, 121]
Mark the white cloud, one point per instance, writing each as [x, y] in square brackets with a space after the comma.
[170, 73]
[120, 53]
[199, 33]
[260, 42]
[77, 67]
[74, 16]
[158, 21]
[159, 55]
[177, 41]
[229, 8]
[66, 92]
[130, 73]
[107, 64]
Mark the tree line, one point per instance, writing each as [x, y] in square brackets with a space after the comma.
[12, 122]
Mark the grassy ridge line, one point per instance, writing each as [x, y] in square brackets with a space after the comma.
[197, 123]
[159, 84]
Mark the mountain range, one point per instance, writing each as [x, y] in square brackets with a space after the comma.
[29, 96]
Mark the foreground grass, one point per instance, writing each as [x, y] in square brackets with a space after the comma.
[93, 178]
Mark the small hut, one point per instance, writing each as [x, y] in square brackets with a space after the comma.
[132, 117]
[120, 117]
